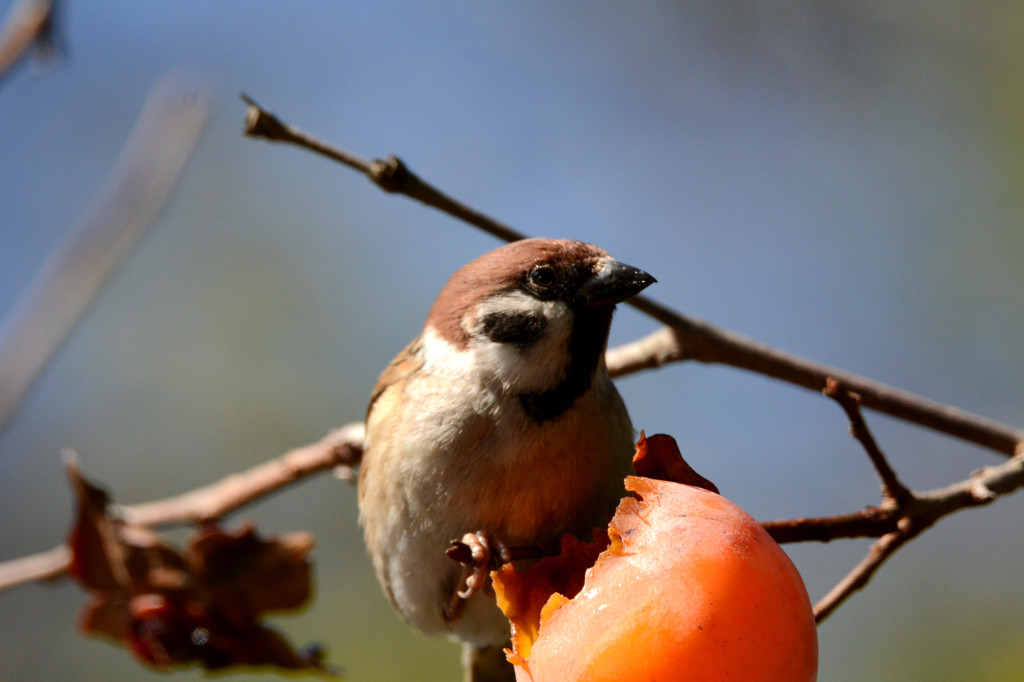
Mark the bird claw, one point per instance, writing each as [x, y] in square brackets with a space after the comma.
[479, 553]
[486, 554]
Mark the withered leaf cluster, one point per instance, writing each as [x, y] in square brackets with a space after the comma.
[203, 604]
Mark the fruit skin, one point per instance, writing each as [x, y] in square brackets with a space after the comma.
[692, 588]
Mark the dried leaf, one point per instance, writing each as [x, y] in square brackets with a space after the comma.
[92, 538]
[659, 457]
[105, 613]
[172, 629]
[249, 574]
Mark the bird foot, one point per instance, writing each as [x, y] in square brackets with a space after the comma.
[478, 553]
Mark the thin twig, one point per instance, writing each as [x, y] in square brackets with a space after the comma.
[892, 489]
[861, 574]
[136, 191]
[684, 338]
[870, 522]
[391, 174]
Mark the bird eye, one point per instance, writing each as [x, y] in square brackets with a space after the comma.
[542, 277]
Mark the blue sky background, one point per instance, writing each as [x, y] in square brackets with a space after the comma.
[841, 180]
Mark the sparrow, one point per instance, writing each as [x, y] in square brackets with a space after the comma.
[499, 417]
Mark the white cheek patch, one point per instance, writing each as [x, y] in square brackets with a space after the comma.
[441, 357]
[538, 366]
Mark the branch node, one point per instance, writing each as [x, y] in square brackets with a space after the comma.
[261, 123]
[981, 493]
[391, 174]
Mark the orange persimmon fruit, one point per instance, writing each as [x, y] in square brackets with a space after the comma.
[690, 588]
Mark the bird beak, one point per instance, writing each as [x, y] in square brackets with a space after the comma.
[614, 283]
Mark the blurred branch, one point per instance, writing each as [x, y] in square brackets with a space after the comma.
[140, 184]
[684, 338]
[28, 24]
[340, 450]
[37, 567]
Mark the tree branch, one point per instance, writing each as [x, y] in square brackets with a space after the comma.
[870, 522]
[47, 565]
[690, 339]
[903, 514]
[341, 450]
[684, 338]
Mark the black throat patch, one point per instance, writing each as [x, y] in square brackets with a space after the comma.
[586, 345]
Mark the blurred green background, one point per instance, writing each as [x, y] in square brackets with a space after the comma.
[839, 179]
